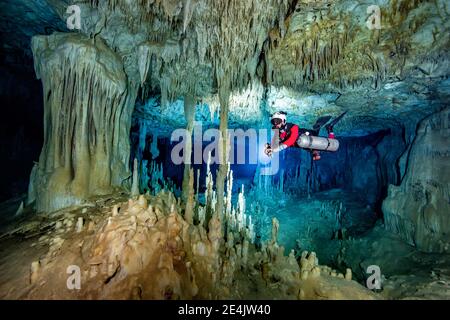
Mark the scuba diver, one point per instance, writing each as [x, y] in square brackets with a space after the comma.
[291, 135]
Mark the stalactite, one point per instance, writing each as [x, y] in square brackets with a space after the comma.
[144, 59]
[87, 117]
[165, 63]
[188, 8]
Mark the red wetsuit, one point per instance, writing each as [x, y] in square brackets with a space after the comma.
[289, 134]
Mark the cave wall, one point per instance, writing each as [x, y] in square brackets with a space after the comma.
[87, 117]
[419, 209]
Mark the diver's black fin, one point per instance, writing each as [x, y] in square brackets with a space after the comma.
[333, 123]
[321, 122]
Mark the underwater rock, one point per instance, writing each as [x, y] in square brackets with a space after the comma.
[348, 274]
[418, 209]
[238, 61]
[35, 266]
[19, 210]
[79, 226]
[170, 258]
[75, 162]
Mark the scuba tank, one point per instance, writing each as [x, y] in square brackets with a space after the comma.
[318, 143]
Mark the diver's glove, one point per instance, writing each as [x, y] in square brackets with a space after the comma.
[268, 150]
[279, 148]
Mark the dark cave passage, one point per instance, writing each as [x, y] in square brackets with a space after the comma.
[21, 129]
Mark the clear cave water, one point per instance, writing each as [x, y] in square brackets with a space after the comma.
[96, 116]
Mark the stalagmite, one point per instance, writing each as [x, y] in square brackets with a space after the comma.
[275, 227]
[305, 275]
[135, 182]
[189, 212]
[91, 226]
[157, 181]
[224, 95]
[31, 194]
[35, 266]
[19, 210]
[115, 210]
[189, 113]
[229, 193]
[316, 272]
[79, 226]
[209, 193]
[230, 240]
[348, 274]
[241, 210]
[142, 201]
[245, 248]
[244, 60]
[301, 294]
[202, 215]
[58, 225]
[197, 185]
[291, 258]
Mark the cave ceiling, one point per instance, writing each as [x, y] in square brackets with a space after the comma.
[306, 57]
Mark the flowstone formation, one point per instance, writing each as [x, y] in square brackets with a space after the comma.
[418, 210]
[87, 112]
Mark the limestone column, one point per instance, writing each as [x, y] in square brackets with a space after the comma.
[224, 97]
[88, 102]
[189, 113]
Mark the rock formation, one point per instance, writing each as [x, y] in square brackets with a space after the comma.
[221, 53]
[87, 114]
[419, 209]
[145, 249]
[141, 68]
